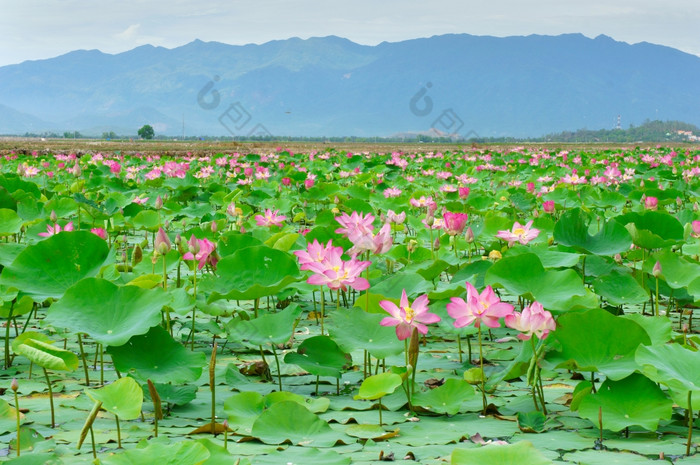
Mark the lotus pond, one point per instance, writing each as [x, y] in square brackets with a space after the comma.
[477, 306]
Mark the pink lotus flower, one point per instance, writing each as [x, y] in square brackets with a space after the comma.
[695, 229]
[201, 250]
[355, 225]
[316, 255]
[309, 183]
[100, 232]
[519, 233]
[383, 241]
[406, 316]
[339, 274]
[651, 203]
[484, 308]
[534, 319]
[423, 201]
[548, 206]
[139, 200]
[395, 218]
[454, 223]
[271, 218]
[56, 228]
[463, 192]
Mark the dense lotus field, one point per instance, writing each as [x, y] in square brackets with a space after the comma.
[483, 306]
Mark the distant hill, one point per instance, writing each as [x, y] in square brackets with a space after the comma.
[459, 85]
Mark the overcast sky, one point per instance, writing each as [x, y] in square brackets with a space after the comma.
[36, 29]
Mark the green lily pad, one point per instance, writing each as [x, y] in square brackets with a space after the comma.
[596, 340]
[377, 386]
[48, 268]
[632, 401]
[531, 422]
[658, 328]
[45, 355]
[271, 328]
[512, 454]
[251, 273]
[290, 422]
[652, 230]
[600, 457]
[181, 453]
[158, 357]
[355, 329]
[10, 222]
[445, 399]
[108, 313]
[524, 275]
[306, 456]
[234, 241]
[149, 220]
[677, 271]
[674, 366]
[620, 288]
[572, 230]
[320, 356]
[122, 398]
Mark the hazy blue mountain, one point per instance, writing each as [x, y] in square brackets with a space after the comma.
[518, 86]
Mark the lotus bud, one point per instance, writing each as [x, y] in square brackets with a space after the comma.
[162, 244]
[154, 257]
[159, 202]
[430, 220]
[679, 202]
[413, 348]
[136, 255]
[231, 209]
[469, 235]
[536, 213]
[656, 271]
[213, 226]
[411, 246]
[495, 255]
[53, 217]
[14, 385]
[77, 171]
[436, 244]
[618, 258]
[178, 239]
[193, 245]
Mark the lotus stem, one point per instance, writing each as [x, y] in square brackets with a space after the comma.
[157, 408]
[380, 412]
[483, 376]
[690, 423]
[194, 308]
[323, 308]
[48, 382]
[14, 386]
[657, 300]
[279, 372]
[7, 335]
[459, 347]
[119, 433]
[212, 387]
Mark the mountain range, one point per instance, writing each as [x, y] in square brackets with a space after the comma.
[461, 85]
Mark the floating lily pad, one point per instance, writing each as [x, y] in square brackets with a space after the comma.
[290, 422]
[512, 454]
[618, 289]
[181, 453]
[445, 399]
[674, 366]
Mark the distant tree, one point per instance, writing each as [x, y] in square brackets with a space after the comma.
[72, 135]
[109, 135]
[146, 132]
